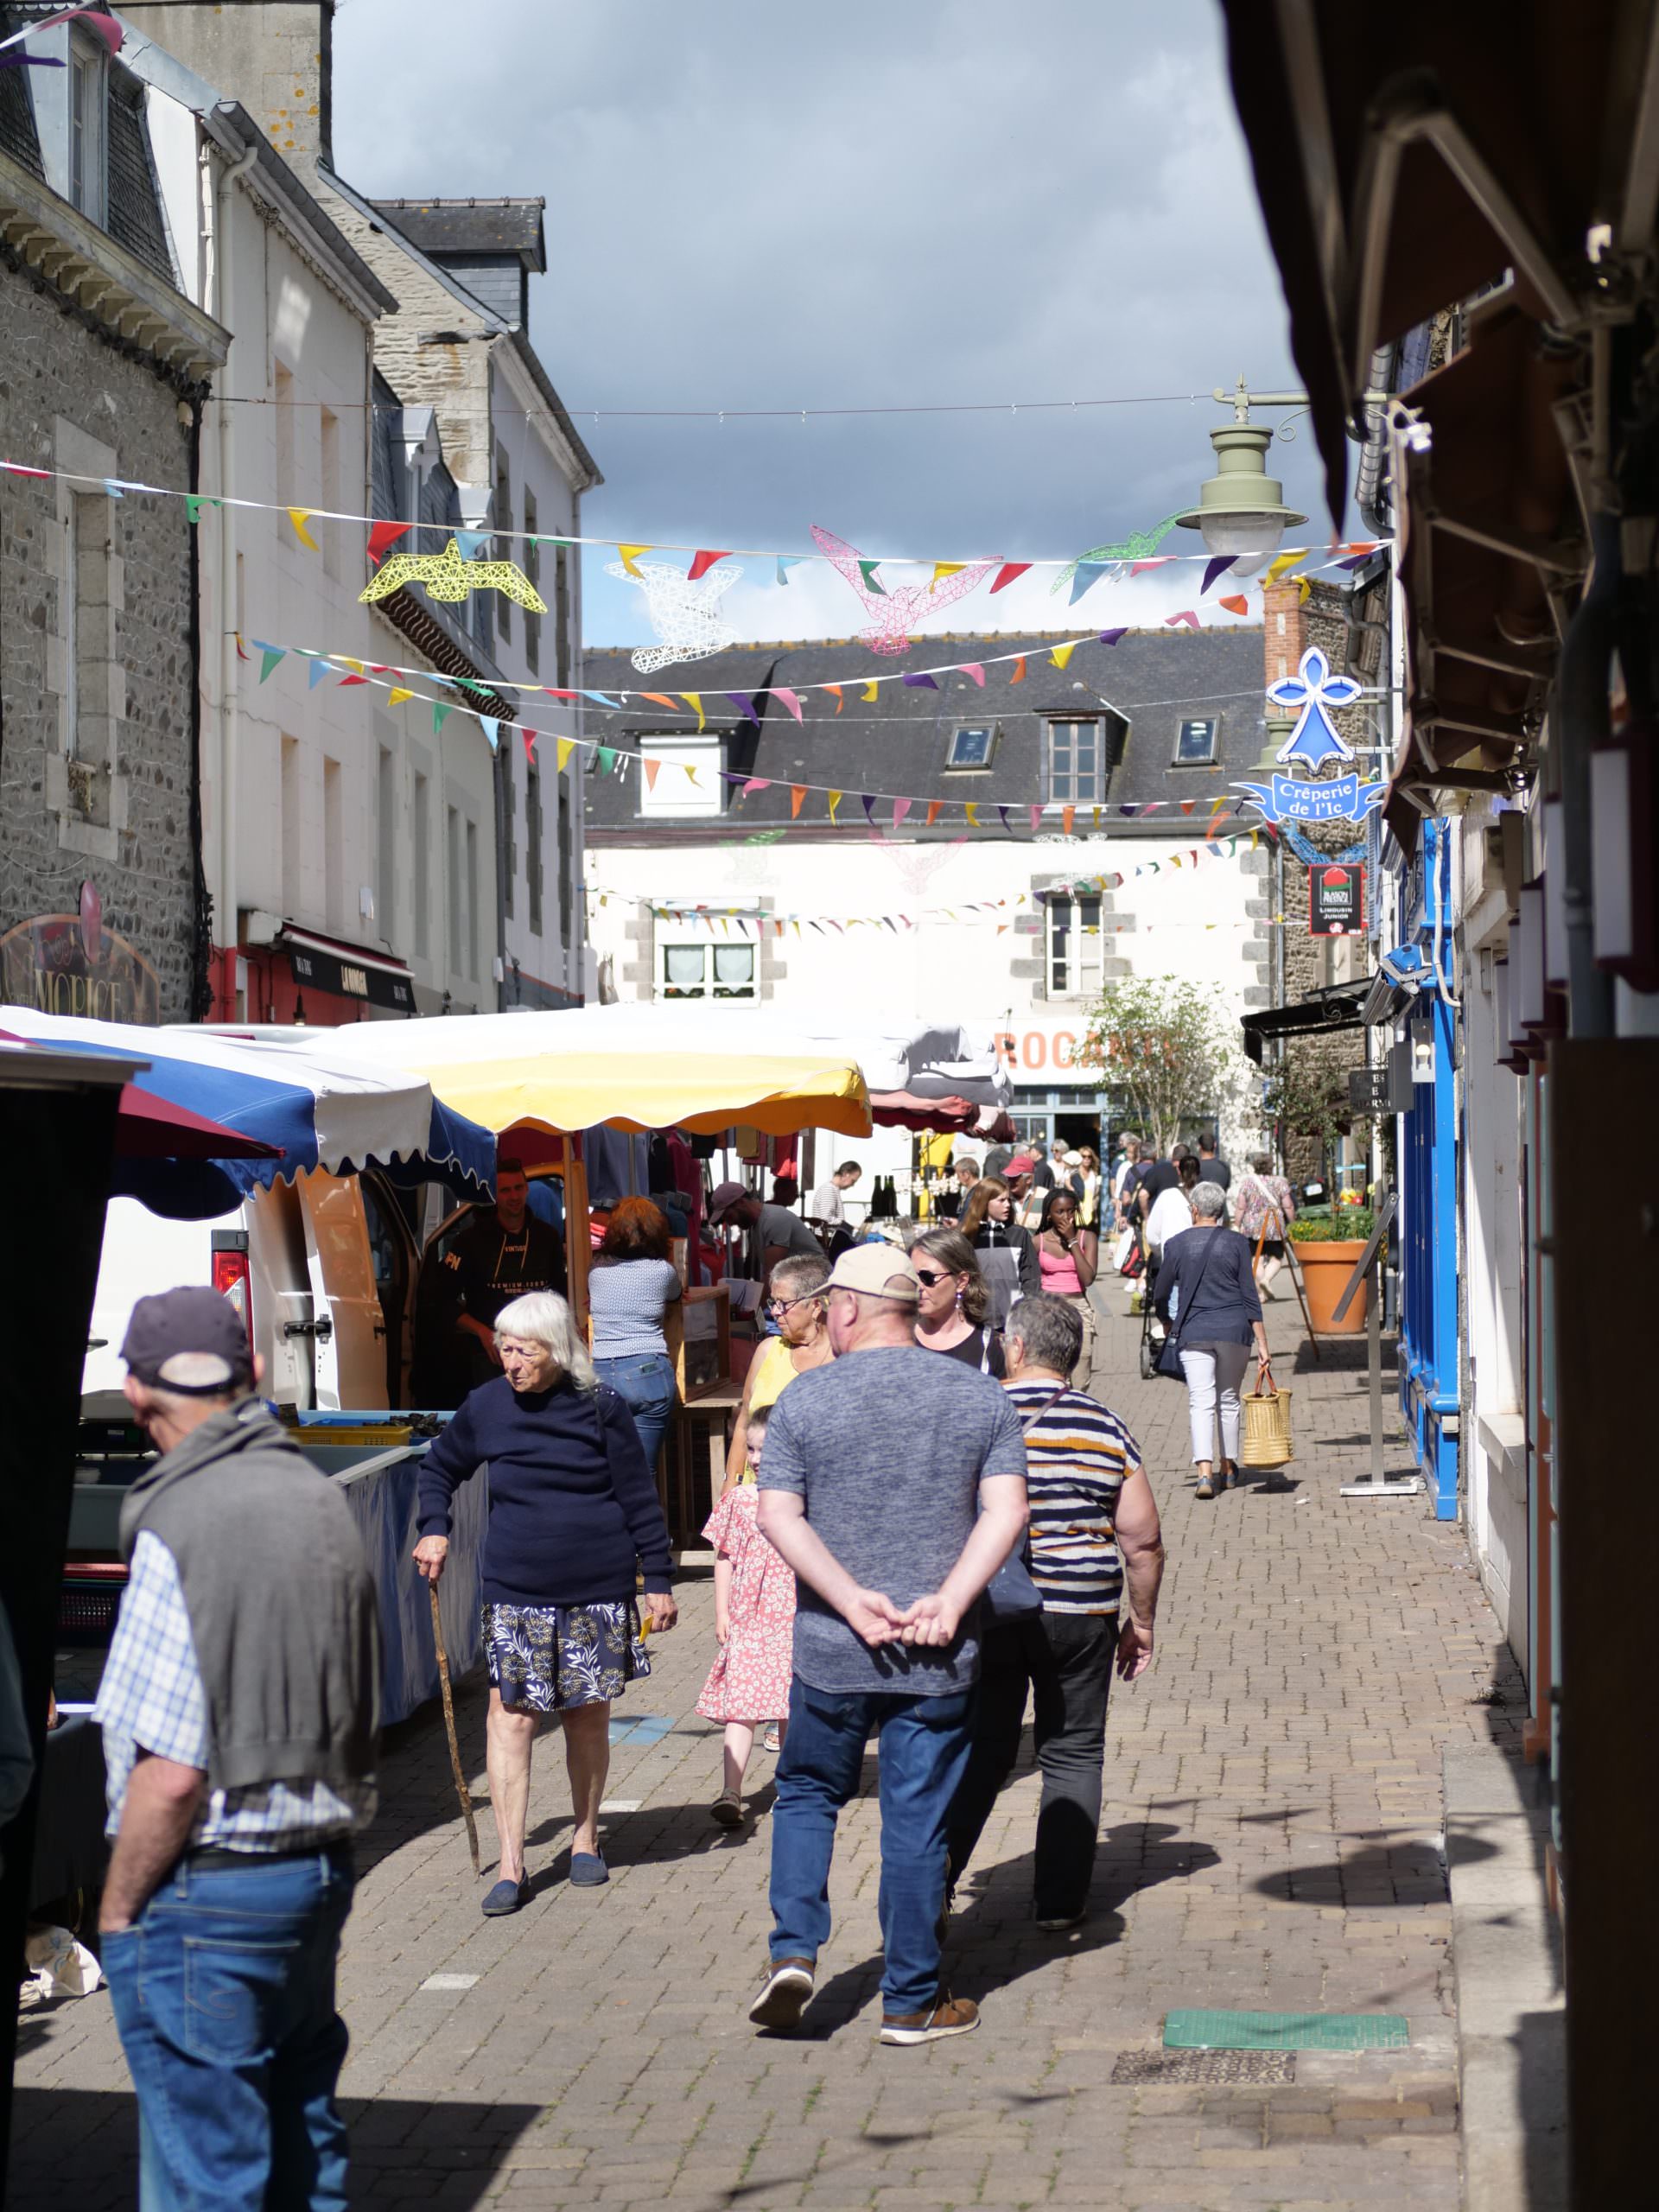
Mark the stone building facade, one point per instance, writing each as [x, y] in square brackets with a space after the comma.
[103, 368]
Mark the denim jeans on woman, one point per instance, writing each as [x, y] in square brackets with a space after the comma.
[1065, 1660]
[923, 1744]
[223, 1994]
[645, 1382]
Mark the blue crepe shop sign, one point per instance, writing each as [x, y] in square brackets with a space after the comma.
[1313, 692]
[1292, 799]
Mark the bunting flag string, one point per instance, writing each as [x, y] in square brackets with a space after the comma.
[940, 570]
[725, 913]
[616, 760]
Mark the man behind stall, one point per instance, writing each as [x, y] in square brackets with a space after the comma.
[506, 1254]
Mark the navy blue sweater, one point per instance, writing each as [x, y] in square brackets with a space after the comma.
[573, 1505]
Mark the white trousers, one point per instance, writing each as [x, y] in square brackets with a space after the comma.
[1209, 1369]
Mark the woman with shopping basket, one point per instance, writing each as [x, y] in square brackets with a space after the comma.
[1208, 1302]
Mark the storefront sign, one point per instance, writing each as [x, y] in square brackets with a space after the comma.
[70, 963]
[1336, 898]
[1338, 799]
[1039, 1051]
[351, 979]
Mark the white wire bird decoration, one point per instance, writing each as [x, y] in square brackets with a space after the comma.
[684, 614]
[447, 576]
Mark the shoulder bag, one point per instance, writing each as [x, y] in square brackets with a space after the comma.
[1011, 1595]
[1169, 1360]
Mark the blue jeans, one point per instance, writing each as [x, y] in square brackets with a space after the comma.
[224, 1993]
[924, 1748]
[645, 1382]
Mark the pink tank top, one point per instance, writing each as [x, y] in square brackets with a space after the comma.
[1059, 1273]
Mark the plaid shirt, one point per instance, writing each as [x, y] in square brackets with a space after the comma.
[151, 1698]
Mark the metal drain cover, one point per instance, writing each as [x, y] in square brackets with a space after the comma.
[1278, 2066]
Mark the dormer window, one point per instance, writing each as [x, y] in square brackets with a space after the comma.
[970, 747]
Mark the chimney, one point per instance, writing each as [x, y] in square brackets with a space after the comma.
[1284, 628]
[275, 56]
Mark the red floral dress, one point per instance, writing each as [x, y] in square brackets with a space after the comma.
[750, 1679]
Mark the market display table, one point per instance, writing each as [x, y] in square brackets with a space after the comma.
[702, 1429]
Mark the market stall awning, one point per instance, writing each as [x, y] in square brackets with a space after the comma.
[310, 1110]
[150, 1127]
[1336, 1007]
[655, 1067]
[1403, 166]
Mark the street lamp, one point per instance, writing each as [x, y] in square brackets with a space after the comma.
[1241, 509]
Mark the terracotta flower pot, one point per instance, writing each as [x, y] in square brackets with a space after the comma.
[1326, 1269]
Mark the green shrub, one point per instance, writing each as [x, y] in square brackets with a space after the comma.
[1341, 1225]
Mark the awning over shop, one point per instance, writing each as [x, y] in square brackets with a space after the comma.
[310, 1105]
[1336, 1007]
[325, 963]
[1402, 168]
[651, 1067]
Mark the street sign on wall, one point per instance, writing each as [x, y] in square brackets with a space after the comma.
[1336, 898]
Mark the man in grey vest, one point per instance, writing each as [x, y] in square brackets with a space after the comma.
[240, 1710]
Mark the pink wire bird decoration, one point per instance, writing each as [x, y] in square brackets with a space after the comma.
[897, 612]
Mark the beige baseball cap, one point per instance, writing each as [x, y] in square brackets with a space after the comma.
[878, 1271]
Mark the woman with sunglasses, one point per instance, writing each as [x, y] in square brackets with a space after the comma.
[955, 1300]
[796, 1302]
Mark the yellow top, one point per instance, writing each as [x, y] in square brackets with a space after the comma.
[771, 1371]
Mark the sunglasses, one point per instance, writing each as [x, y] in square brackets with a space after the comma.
[923, 1276]
[783, 1305]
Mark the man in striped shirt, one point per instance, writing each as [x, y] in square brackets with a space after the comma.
[1096, 1557]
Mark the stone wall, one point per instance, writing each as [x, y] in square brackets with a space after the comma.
[97, 769]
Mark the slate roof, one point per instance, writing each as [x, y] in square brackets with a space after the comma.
[1155, 679]
[472, 226]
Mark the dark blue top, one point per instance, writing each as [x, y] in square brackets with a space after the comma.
[573, 1505]
[1224, 1304]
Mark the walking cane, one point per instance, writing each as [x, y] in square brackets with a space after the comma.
[462, 1791]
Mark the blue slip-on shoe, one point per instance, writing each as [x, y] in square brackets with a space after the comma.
[507, 1897]
[587, 1870]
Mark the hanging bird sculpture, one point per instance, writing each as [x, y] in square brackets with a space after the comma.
[895, 610]
[447, 576]
[1139, 545]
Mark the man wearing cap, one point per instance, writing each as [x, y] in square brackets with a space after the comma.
[893, 1484]
[239, 1711]
[780, 1233]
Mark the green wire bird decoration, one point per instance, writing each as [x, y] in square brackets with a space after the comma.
[1139, 545]
[447, 576]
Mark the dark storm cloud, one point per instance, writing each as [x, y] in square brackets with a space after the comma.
[759, 205]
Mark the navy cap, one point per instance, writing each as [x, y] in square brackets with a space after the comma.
[192, 1340]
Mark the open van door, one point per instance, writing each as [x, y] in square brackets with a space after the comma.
[346, 1323]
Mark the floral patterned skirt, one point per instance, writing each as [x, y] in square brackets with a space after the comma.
[543, 1658]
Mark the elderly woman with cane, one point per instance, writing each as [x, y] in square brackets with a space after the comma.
[574, 1526]
[1207, 1300]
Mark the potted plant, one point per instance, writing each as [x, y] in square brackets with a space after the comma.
[1328, 1246]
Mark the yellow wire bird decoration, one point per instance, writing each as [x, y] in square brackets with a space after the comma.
[447, 576]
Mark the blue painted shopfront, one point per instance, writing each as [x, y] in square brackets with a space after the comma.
[1428, 1183]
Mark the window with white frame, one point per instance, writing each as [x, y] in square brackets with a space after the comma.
[88, 80]
[680, 776]
[1075, 946]
[1077, 775]
[1195, 741]
[698, 970]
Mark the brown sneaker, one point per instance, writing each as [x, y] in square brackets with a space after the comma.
[952, 2016]
[784, 1995]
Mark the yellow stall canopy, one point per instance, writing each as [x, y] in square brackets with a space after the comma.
[645, 1067]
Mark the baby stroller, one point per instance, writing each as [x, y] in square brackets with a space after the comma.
[1151, 1336]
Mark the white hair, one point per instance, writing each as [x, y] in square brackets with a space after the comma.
[541, 1317]
[1209, 1201]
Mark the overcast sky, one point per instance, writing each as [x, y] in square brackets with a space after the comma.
[752, 204]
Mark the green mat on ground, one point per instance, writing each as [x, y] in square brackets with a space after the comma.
[1285, 2031]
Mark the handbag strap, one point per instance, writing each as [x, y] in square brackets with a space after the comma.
[1180, 1326]
[1037, 1413]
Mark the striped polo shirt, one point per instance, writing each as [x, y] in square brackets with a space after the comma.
[1078, 1458]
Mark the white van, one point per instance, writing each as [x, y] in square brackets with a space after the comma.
[325, 1267]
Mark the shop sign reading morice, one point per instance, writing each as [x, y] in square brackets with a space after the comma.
[70, 963]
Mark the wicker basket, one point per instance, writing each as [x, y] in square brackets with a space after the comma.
[1265, 1440]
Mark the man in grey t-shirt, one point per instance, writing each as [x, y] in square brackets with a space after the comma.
[780, 1234]
[893, 1484]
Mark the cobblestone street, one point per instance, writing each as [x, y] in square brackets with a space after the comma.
[1272, 1842]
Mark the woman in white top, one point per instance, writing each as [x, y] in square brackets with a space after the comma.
[631, 1283]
